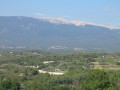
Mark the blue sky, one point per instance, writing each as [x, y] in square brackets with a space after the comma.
[105, 12]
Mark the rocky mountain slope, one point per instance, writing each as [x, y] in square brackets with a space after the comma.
[31, 32]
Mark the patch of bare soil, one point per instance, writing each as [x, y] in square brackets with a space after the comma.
[113, 68]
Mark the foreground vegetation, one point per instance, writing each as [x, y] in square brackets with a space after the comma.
[81, 71]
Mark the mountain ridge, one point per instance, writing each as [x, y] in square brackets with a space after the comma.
[27, 32]
[77, 23]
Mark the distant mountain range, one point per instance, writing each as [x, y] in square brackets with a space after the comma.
[57, 33]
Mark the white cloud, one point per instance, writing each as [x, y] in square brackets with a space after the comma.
[110, 9]
[113, 16]
[66, 16]
[39, 14]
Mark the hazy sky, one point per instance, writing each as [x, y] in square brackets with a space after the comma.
[105, 12]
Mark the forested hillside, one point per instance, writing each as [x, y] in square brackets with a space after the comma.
[29, 32]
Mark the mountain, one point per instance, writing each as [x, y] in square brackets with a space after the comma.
[56, 33]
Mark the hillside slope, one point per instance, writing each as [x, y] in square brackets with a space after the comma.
[33, 33]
